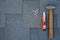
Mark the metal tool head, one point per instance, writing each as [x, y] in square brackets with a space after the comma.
[50, 7]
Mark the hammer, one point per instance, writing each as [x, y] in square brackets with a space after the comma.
[50, 10]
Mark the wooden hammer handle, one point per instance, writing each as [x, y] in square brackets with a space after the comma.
[50, 24]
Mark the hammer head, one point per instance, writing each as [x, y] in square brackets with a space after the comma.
[50, 7]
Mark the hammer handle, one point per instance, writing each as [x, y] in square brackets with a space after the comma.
[50, 24]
